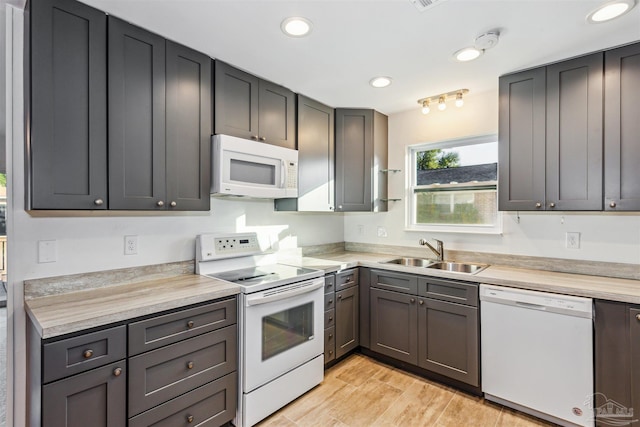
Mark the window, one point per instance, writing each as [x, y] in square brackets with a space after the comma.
[453, 186]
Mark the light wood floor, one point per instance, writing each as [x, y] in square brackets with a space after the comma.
[361, 391]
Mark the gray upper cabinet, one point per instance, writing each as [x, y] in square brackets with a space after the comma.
[67, 142]
[160, 122]
[361, 159]
[189, 128]
[249, 107]
[137, 147]
[574, 134]
[521, 161]
[316, 164]
[621, 128]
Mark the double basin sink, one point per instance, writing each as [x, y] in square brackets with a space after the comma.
[458, 267]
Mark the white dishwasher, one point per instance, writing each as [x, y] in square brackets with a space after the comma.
[537, 353]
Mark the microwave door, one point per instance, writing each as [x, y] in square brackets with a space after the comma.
[251, 175]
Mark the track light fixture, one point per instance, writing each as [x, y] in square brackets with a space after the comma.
[442, 99]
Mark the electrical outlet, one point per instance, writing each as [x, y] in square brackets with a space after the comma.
[573, 240]
[130, 245]
[382, 232]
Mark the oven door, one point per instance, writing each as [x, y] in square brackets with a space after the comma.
[283, 329]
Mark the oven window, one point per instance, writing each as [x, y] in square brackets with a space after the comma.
[286, 329]
[255, 173]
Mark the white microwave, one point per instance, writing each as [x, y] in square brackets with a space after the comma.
[242, 167]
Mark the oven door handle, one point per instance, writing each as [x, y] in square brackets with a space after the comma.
[256, 300]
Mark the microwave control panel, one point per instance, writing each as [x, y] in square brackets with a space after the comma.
[292, 175]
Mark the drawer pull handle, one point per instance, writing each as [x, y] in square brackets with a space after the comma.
[190, 324]
[190, 419]
[330, 318]
[339, 296]
[87, 354]
[421, 302]
[117, 372]
[638, 317]
[173, 204]
[331, 335]
[189, 365]
[412, 300]
[330, 351]
[330, 301]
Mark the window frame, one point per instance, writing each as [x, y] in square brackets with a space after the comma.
[411, 187]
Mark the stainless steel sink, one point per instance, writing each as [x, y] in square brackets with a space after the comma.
[458, 267]
[412, 262]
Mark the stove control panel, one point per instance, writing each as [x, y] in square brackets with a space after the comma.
[219, 246]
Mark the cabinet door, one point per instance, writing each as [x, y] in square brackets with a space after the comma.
[448, 339]
[634, 339]
[521, 135]
[236, 102]
[316, 189]
[347, 321]
[354, 154]
[137, 171]
[574, 134]
[95, 398]
[189, 127]
[621, 128]
[277, 115]
[68, 137]
[394, 322]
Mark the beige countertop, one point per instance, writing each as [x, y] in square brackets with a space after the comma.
[614, 289]
[60, 314]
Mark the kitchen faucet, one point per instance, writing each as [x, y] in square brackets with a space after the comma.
[440, 248]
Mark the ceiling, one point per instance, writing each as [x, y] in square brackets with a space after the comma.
[353, 41]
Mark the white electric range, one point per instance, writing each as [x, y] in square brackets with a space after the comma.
[280, 318]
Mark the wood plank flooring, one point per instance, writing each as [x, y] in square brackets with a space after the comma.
[361, 391]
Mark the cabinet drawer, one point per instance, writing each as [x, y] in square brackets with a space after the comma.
[213, 404]
[162, 374]
[329, 283]
[78, 354]
[449, 290]
[329, 344]
[346, 279]
[329, 301]
[398, 282]
[329, 318]
[159, 331]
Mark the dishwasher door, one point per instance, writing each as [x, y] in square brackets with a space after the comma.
[537, 353]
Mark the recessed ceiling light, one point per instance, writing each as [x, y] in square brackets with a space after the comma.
[296, 26]
[468, 54]
[381, 81]
[610, 10]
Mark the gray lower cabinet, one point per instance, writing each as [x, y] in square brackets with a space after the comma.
[432, 323]
[159, 122]
[94, 398]
[617, 360]
[249, 107]
[361, 160]
[560, 169]
[67, 140]
[394, 325]
[179, 368]
[316, 159]
[621, 129]
[342, 314]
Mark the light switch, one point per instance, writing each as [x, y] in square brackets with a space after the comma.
[47, 251]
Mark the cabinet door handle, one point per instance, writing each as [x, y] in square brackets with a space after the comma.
[173, 204]
[612, 204]
[160, 203]
[538, 205]
[98, 202]
[331, 335]
[190, 324]
[190, 365]
[638, 317]
[421, 302]
[87, 353]
[190, 419]
[263, 139]
[330, 351]
[339, 296]
[254, 137]
[330, 318]
[412, 300]
[117, 372]
[552, 205]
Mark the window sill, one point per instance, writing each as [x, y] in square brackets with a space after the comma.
[458, 230]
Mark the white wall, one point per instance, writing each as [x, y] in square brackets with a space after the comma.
[613, 237]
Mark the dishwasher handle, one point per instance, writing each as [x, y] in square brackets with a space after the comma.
[529, 305]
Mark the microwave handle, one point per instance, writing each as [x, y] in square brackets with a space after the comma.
[283, 173]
